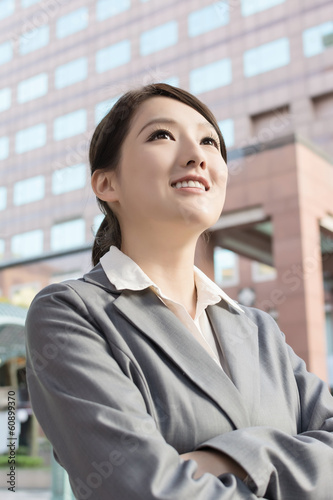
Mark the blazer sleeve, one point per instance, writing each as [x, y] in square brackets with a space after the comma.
[282, 466]
[95, 416]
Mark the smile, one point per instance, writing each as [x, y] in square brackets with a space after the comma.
[190, 184]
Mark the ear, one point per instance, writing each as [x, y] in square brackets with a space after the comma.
[104, 185]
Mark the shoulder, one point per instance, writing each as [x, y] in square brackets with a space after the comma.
[270, 337]
[94, 281]
[261, 318]
[78, 296]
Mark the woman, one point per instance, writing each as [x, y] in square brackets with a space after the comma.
[149, 381]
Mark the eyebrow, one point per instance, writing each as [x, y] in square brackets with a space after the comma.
[171, 122]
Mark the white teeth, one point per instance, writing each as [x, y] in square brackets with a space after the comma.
[190, 183]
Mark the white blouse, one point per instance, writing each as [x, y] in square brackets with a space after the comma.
[125, 274]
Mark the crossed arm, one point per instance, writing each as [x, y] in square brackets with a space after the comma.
[97, 428]
[214, 462]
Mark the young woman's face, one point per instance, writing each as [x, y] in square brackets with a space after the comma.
[171, 170]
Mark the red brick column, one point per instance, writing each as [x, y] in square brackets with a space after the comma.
[297, 257]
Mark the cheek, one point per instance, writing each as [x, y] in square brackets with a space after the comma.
[220, 175]
[149, 167]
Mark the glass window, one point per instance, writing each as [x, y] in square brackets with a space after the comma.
[67, 235]
[29, 190]
[252, 6]
[2, 248]
[159, 38]
[98, 219]
[30, 138]
[69, 178]
[109, 8]
[262, 272]
[313, 38]
[4, 147]
[3, 197]
[172, 80]
[329, 343]
[6, 52]
[208, 19]
[27, 244]
[34, 40]
[226, 269]
[70, 124]
[227, 129]
[211, 76]
[7, 8]
[71, 72]
[102, 108]
[32, 88]
[23, 295]
[5, 99]
[266, 57]
[72, 23]
[113, 56]
[27, 3]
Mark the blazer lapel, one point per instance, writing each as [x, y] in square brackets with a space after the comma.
[236, 333]
[147, 313]
[238, 338]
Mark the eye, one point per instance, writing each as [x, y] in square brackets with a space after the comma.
[161, 134]
[210, 141]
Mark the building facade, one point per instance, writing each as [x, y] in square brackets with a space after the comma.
[263, 66]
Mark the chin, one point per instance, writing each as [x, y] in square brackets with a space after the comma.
[198, 221]
[200, 214]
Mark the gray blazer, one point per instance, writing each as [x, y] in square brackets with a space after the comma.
[121, 388]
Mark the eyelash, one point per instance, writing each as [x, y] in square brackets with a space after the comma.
[211, 138]
[155, 135]
[158, 132]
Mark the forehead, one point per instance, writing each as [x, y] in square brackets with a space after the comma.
[166, 107]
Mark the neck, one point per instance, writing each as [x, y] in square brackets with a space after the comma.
[168, 264]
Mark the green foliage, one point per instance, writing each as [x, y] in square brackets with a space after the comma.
[22, 450]
[22, 461]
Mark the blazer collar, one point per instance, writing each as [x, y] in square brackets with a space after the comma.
[98, 277]
[236, 333]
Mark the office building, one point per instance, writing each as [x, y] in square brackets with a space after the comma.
[263, 66]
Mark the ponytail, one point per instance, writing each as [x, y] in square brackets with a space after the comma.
[107, 234]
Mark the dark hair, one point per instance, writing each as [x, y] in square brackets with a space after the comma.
[106, 145]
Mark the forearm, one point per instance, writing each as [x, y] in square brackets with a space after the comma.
[215, 463]
[278, 463]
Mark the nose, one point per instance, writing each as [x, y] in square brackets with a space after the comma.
[193, 156]
[201, 163]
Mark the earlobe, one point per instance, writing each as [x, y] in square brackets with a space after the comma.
[104, 185]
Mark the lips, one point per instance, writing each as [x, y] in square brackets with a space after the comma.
[192, 182]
